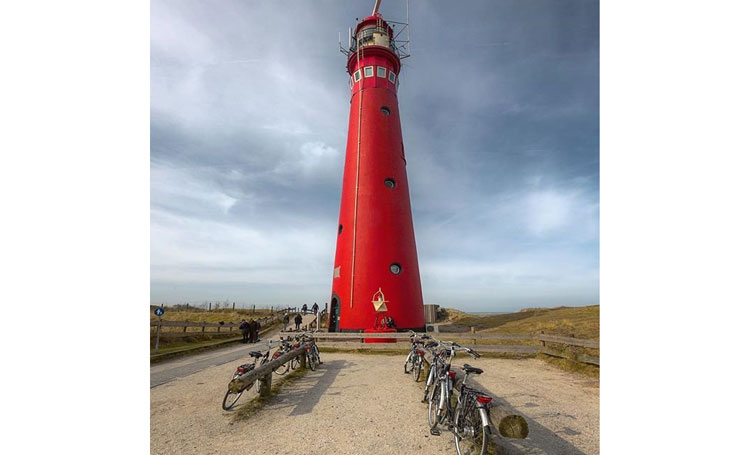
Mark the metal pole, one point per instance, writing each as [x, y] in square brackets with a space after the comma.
[158, 334]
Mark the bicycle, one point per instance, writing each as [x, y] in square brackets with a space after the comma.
[231, 397]
[283, 349]
[443, 381]
[468, 419]
[415, 358]
[471, 426]
[434, 367]
[313, 353]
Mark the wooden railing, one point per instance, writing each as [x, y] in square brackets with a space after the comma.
[214, 328]
[553, 345]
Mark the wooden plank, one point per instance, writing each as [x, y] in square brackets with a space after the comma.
[494, 348]
[570, 341]
[589, 359]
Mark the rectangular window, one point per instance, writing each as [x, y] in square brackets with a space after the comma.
[357, 76]
[391, 77]
[368, 71]
[381, 71]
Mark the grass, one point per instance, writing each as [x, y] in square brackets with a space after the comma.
[571, 366]
[582, 322]
[196, 315]
[248, 409]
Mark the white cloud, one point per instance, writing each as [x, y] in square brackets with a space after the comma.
[547, 211]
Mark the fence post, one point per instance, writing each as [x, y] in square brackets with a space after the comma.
[158, 334]
[265, 383]
[184, 329]
[543, 343]
[303, 360]
[473, 330]
[203, 330]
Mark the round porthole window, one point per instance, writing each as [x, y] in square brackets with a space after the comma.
[385, 110]
[390, 183]
[395, 268]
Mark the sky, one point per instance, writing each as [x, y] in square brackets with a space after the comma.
[499, 110]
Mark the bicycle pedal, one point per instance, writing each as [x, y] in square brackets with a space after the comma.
[435, 432]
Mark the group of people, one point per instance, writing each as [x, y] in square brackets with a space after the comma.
[250, 331]
[297, 320]
[387, 321]
[314, 308]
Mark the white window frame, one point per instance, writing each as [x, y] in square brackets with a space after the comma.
[391, 77]
[370, 70]
[357, 75]
[383, 70]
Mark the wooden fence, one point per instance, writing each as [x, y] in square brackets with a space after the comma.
[180, 328]
[553, 345]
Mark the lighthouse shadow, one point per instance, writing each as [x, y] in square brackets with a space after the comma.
[315, 386]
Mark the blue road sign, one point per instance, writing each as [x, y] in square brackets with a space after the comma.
[158, 311]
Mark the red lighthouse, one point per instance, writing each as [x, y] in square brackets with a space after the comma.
[375, 259]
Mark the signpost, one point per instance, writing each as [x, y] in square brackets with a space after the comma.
[159, 311]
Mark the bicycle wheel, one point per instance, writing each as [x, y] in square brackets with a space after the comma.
[470, 435]
[282, 370]
[434, 403]
[230, 399]
[311, 362]
[418, 364]
[294, 363]
[409, 365]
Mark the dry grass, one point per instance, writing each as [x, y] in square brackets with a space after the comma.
[582, 322]
[226, 315]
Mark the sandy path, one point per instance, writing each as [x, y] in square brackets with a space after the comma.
[364, 404]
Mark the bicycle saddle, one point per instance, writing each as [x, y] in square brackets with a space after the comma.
[255, 354]
[469, 369]
[431, 344]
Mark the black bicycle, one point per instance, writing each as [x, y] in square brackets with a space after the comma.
[467, 413]
[415, 359]
[285, 347]
[313, 353]
[232, 396]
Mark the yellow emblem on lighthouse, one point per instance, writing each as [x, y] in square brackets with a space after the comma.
[379, 302]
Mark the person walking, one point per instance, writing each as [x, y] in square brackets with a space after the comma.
[245, 328]
[298, 321]
[285, 321]
[304, 308]
[257, 331]
[315, 308]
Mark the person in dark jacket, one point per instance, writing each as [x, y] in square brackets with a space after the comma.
[314, 308]
[298, 320]
[245, 328]
[253, 330]
[304, 308]
[257, 331]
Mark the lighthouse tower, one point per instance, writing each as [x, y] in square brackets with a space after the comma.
[376, 269]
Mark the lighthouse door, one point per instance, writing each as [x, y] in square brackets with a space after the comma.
[335, 312]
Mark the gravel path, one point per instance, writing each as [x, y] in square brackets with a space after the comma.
[364, 404]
